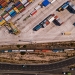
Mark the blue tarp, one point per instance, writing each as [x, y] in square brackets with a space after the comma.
[45, 3]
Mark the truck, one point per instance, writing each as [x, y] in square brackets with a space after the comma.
[64, 6]
[66, 33]
[58, 21]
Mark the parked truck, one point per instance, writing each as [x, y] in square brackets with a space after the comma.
[64, 6]
[58, 21]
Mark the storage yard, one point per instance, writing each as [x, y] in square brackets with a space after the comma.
[37, 21]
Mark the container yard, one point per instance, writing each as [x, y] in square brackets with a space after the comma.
[37, 21]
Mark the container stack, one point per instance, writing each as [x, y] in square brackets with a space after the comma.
[12, 13]
[3, 4]
[19, 6]
[2, 21]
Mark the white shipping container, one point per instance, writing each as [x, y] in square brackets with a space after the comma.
[15, 50]
[44, 25]
[53, 1]
[6, 51]
[22, 50]
[27, 4]
[30, 50]
[51, 19]
[8, 18]
[23, 1]
[38, 7]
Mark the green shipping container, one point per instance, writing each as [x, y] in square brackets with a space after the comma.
[20, 7]
[3, 13]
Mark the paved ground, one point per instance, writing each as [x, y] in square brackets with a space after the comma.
[51, 33]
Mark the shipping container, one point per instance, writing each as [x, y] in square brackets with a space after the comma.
[33, 12]
[13, 14]
[19, 8]
[53, 1]
[24, 1]
[22, 10]
[16, 10]
[5, 15]
[37, 50]
[46, 50]
[38, 7]
[37, 27]
[6, 51]
[8, 9]
[22, 50]
[51, 19]
[12, 11]
[8, 18]
[0, 6]
[15, 50]
[30, 50]
[4, 4]
[2, 1]
[26, 4]
[2, 22]
[16, 4]
[9, 50]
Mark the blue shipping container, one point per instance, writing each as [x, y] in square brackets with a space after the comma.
[8, 9]
[0, 6]
[45, 3]
[9, 50]
[17, 3]
[13, 14]
[37, 27]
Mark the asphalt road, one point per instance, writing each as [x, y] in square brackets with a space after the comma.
[45, 67]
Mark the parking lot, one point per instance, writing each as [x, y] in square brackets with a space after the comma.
[50, 33]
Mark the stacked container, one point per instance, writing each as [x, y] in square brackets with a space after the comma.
[2, 21]
[12, 13]
[3, 3]
[4, 15]
[24, 1]
[19, 6]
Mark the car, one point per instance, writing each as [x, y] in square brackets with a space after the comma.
[64, 73]
[72, 68]
[23, 65]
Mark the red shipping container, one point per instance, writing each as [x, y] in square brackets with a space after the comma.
[46, 50]
[47, 22]
[22, 10]
[2, 1]
[4, 4]
[34, 12]
[5, 15]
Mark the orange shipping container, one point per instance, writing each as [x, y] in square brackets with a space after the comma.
[4, 4]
